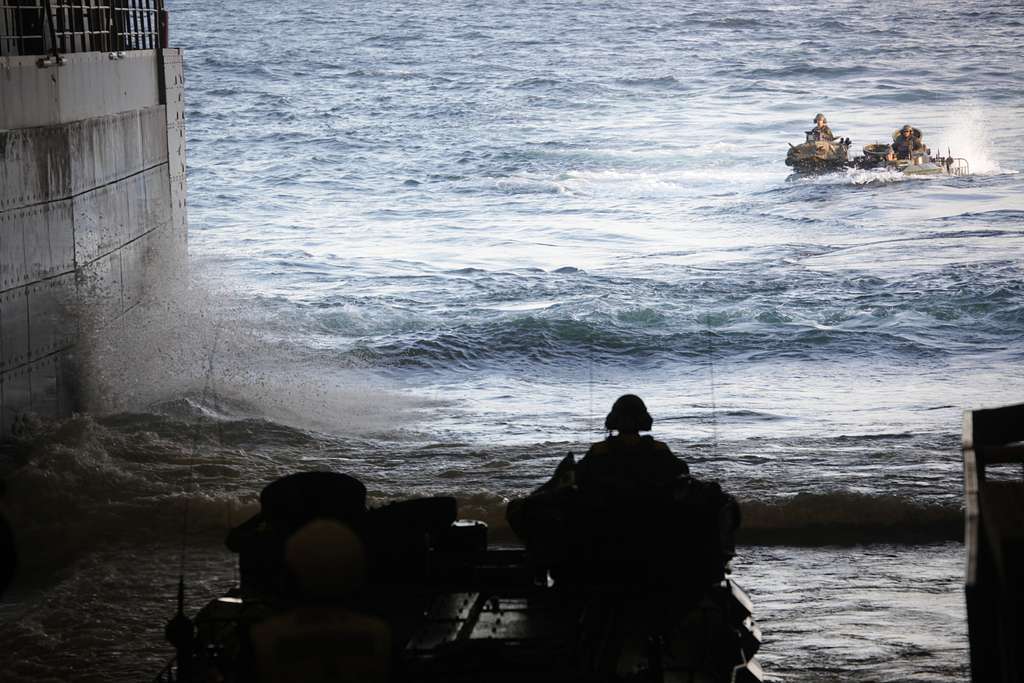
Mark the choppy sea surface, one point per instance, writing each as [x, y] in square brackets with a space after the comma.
[431, 242]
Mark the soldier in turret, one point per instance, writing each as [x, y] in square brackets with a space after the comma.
[625, 463]
[821, 132]
[907, 143]
[628, 514]
[617, 479]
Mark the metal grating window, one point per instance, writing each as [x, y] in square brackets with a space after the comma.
[37, 27]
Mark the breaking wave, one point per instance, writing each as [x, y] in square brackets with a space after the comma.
[188, 476]
[969, 135]
[531, 341]
[844, 517]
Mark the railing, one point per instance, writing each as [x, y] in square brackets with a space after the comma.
[958, 166]
[39, 27]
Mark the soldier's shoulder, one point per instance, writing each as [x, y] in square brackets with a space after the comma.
[658, 446]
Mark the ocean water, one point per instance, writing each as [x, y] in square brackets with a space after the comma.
[432, 242]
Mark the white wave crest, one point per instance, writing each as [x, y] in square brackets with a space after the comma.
[969, 135]
[675, 183]
[856, 176]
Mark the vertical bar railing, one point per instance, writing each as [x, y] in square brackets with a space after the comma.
[119, 25]
[35, 27]
[22, 27]
[52, 30]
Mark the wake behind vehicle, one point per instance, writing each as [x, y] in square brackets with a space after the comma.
[822, 156]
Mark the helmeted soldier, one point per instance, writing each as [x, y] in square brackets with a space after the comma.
[616, 473]
[313, 640]
[907, 142]
[626, 464]
[821, 132]
[628, 513]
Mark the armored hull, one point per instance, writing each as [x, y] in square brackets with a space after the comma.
[409, 593]
[816, 156]
[485, 616]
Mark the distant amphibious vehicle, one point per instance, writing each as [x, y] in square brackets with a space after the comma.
[407, 592]
[826, 156]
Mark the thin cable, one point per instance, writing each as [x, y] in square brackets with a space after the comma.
[208, 388]
[590, 383]
[711, 380]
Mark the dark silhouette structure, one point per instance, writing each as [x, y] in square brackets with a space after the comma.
[396, 537]
[993, 447]
[332, 590]
[628, 516]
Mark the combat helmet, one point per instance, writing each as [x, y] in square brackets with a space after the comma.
[628, 414]
[819, 115]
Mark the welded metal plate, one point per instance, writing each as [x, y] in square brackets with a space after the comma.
[13, 328]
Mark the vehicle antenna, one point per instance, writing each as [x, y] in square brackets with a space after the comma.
[208, 389]
[180, 630]
[590, 381]
[711, 382]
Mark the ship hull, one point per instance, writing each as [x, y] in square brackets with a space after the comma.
[92, 213]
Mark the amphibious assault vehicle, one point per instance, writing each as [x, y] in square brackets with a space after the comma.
[437, 604]
[824, 156]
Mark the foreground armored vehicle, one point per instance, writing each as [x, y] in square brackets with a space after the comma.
[438, 605]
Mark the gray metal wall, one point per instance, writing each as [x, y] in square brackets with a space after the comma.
[92, 210]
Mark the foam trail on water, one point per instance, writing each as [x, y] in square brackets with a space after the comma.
[661, 184]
